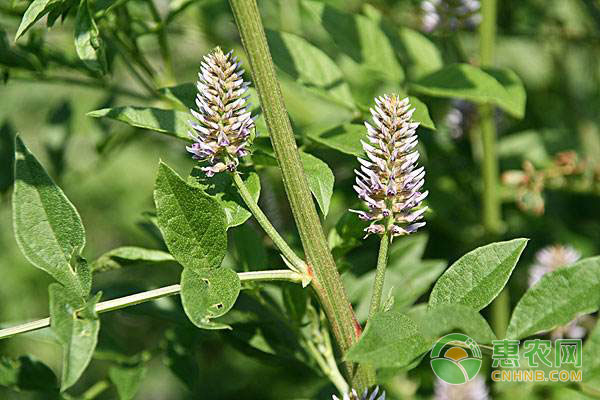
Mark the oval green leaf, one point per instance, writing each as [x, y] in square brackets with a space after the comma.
[169, 122]
[467, 82]
[117, 258]
[208, 294]
[557, 298]
[222, 188]
[309, 65]
[192, 222]
[47, 227]
[478, 276]
[391, 339]
[447, 318]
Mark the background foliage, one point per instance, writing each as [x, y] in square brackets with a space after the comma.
[66, 89]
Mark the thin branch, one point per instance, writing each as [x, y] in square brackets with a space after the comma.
[138, 298]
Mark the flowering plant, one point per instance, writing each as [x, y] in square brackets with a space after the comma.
[318, 165]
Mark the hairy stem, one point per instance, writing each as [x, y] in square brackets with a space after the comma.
[264, 222]
[379, 275]
[326, 280]
[492, 219]
[492, 206]
[138, 298]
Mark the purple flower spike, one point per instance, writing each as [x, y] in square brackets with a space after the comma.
[222, 123]
[390, 181]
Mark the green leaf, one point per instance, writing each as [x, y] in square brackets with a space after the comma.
[208, 294]
[249, 247]
[169, 122]
[343, 138]
[557, 298]
[319, 175]
[47, 227]
[222, 188]
[391, 339]
[467, 82]
[27, 373]
[591, 360]
[421, 114]
[436, 321]
[308, 65]
[117, 258]
[127, 379]
[478, 276]
[346, 138]
[320, 180]
[192, 222]
[36, 10]
[360, 38]
[88, 43]
[76, 326]
[422, 56]
[513, 85]
[308, 106]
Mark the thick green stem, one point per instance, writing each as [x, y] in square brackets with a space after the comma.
[492, 219]
[492, 206]
[379, 275]
[501, 313]
[138, 298]
[326, 280]
[264, 222]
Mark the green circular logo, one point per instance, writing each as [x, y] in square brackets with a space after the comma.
[456, 358]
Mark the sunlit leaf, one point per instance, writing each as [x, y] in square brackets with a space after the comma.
[447, 318]
[557, 298]
[36, 10]
[221, 187]
[391, 339]
[308, 65]
[192, 222]
[170, 122]
[320, 180]
[48, 228]
[478, 276]
[117, 258]
[467, 82]
[88, 43]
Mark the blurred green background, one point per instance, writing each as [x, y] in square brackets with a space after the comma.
[107, 169]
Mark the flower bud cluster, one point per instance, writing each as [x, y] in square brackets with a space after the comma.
[223, 123]
[389, 180]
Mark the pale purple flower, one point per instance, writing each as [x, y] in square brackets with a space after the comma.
[449, 15]
[460, 118]
[547, 260]
[353, 395]
[389, 180]
[223, 123]
[551, 258]
[475, 389]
